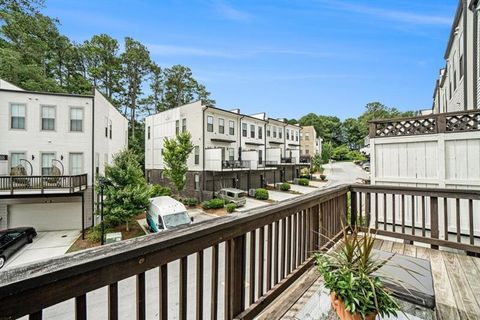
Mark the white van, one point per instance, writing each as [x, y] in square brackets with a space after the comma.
[166, 213]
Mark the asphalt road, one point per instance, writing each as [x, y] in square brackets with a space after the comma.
[344, 172]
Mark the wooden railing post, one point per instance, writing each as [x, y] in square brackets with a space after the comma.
[315, 228]
[434, 220]
[353, 209]
[11, 185]
[236, 276]
[441, 123]
[372, 129]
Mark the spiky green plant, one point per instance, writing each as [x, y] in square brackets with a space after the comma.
[349, 273]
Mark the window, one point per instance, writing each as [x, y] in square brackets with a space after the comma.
[48, 117]
[76, 119]
[231, 154]
[223, 153]
[268, 131]
[244, 129]
[184, 125]
[274, 132]
[111, 128]
[197, 155]
[209, 123]
[47, 163]
[76, 163]
[197, 182]
[231, 128]
[177, 126]
[260, 156]
[307, 151]
[450, 89]
[260, 132]
[454, 80]
[307, 136]
[18, 114]
[280, 133]
[148, 132]
[252, 131]
[106, 127]
[221, 125]
[288, 134]
[15, 158]
[296, 135]
[461, 66]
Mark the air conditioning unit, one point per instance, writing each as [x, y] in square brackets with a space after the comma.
[251, 192]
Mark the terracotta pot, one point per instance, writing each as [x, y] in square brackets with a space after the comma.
[343, 314]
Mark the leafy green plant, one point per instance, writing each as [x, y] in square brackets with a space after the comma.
[305, 173]
[349, 275]
[261, 194]
[285, 186]
[231, 207]
[323, 177]
[94, 234]
[303, 182]
[175, 155]
[157, 190]
[190, 202]
[213, 204]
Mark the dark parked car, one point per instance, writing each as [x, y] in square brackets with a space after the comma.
[12, 240]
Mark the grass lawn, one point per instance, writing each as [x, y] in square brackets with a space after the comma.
[134, 231]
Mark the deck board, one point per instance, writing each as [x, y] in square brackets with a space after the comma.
[456, 280]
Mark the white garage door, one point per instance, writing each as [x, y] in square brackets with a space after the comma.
[46, 216]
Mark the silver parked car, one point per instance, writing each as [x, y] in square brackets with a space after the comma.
[232, 195]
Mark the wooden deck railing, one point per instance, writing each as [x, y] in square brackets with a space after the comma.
[268, 249]
[463, 121]
[235, 266]
[16, 184]
[439, 217]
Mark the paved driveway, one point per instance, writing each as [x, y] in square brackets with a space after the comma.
[45, 245]
[252, 203]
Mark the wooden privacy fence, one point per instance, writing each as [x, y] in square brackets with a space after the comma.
[439, 217]
[231, 267]
[430, 124]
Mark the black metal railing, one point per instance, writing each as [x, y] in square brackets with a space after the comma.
[19, 184]
[236, 164]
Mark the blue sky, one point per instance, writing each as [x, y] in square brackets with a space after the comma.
[285, 57]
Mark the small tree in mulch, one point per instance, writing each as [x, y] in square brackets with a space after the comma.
[175, 155]
[127, 192]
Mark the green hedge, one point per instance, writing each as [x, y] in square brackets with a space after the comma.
[213, 204]
[303, 182]
[231, 207]
[285, 186]
[157, 190]
[261, 194]
[190, 202]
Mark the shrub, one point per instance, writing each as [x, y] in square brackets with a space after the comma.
[303, 182]
[95, 233]
[190, 202]
[213, 204]
[323, 177]
[261, 194]
[231, 207]
[285, 186]
[305, 173]
[157, 190]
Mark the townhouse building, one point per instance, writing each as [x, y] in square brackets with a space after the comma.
[52, 147]
[310, 143]
[231, 149]
[457, 86]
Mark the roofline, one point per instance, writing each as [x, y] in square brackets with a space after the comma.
[458, 14]
[49, 93]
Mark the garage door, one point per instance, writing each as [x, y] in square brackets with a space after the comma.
[46, 216]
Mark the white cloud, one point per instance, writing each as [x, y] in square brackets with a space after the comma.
[230, 13]
[389, 14]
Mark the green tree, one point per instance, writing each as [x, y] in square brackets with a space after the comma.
[181, 88]
[135, 66]
[128, 193]
[102, 64]
[175, 155]
[340, 153]
[327, 151]
[327, 127]
[154, 101]
[354, 133]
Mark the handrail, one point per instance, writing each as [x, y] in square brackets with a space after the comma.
[15, 184]
[74, 275]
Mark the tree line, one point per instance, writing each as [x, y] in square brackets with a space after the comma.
[36, 56]
[343, 139]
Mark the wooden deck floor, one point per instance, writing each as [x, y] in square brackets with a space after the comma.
[456, 280]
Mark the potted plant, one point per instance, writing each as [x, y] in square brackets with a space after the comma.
[348, 273]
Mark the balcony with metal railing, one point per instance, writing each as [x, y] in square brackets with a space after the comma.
[30, 185]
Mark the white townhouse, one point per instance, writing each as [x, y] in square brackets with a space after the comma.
[52, 147]
[231, 149]
[457, 87]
